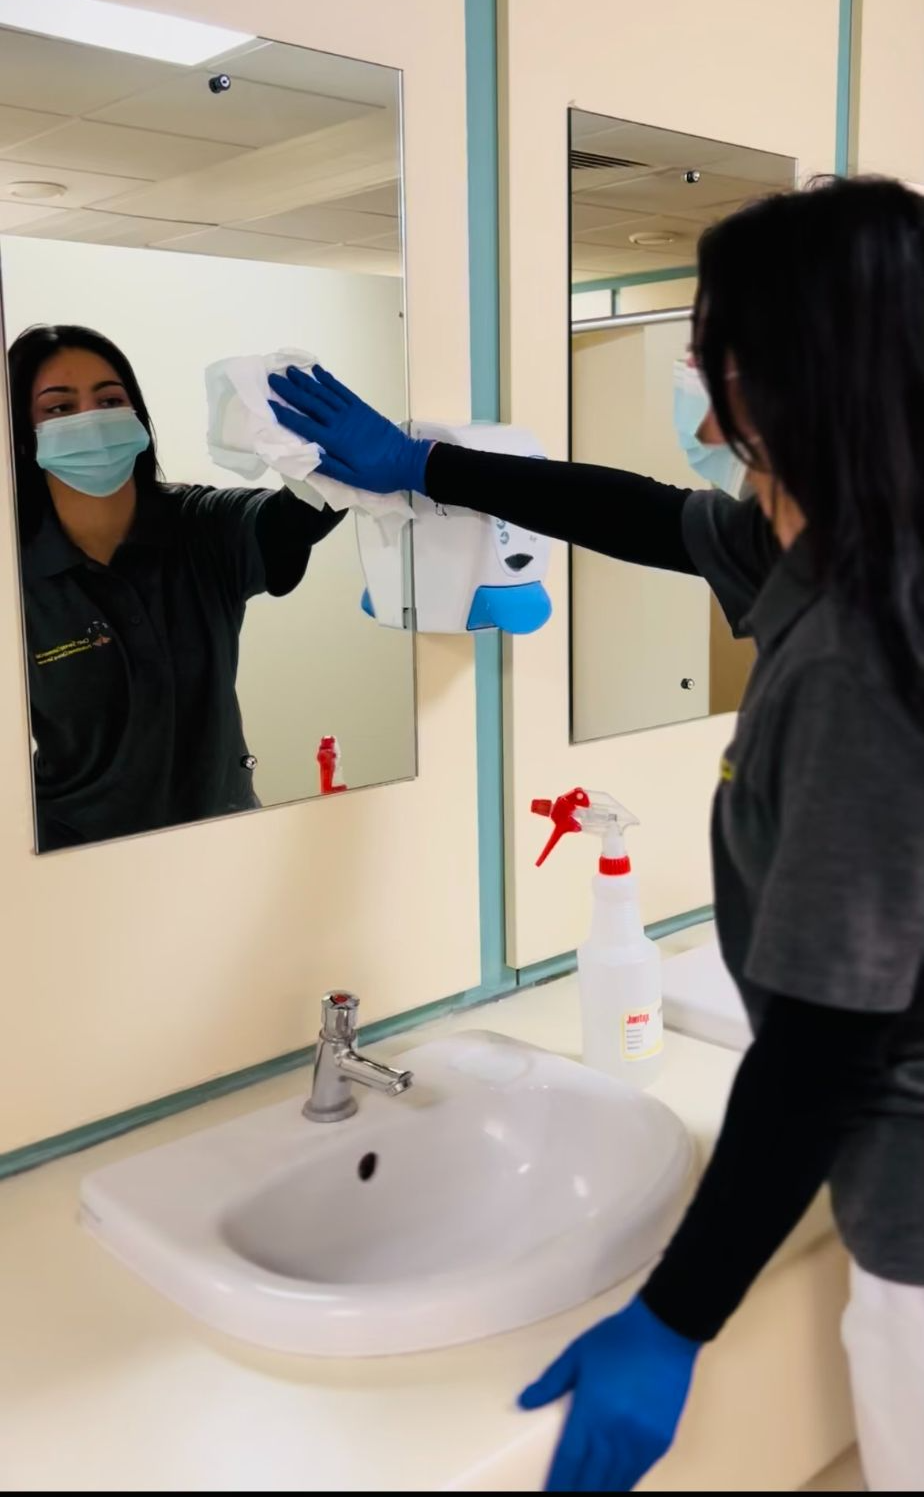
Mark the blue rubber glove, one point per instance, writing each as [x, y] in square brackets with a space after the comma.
[628, 1378]
[361, 447]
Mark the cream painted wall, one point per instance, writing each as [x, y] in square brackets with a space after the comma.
[311, 663]
[585, 304]
[657, 295]
[889, 133]
[139, 967]
[682, 67]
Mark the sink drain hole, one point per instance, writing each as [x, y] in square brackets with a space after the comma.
[367, 1166]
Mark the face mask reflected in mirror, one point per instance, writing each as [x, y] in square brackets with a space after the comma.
[93, 451]
[715, 462]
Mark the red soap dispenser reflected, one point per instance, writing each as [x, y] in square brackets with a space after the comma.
[329, 765]
[619, 968]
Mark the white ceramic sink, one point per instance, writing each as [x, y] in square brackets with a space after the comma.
[507, 1185]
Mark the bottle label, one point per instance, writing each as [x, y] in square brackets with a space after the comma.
[642, 1033]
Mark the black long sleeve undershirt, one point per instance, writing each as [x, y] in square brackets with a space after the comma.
[801, 1087]
[604, 509]
[286, 530]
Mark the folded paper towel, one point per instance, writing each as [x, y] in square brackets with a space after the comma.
[244, 435]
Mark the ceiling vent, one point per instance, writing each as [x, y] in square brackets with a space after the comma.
[590, 161]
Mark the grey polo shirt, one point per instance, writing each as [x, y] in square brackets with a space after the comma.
[818, 851]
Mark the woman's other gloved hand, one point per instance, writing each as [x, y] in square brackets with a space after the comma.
[628, 1378]
[360, 447]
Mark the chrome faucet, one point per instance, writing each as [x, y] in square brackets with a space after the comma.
[337, 1065]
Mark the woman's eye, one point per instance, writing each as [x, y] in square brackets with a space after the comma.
[112, 402]
[58, 410]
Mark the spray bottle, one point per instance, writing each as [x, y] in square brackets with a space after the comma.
[329, 765]
[619, 968]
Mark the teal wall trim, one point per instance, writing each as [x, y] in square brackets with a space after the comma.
[484, 299]
[846, 56]
[639, 278]
[560, 966]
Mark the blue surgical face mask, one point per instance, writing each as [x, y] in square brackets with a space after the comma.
[94, 451]
[713, 461]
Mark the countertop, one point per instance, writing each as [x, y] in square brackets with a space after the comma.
[106, 1386]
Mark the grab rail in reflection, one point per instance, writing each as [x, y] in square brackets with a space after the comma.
[631, 319]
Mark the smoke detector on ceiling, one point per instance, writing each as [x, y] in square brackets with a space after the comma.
[36, 191]
[653, 240]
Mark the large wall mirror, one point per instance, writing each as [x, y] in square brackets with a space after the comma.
[647, 648]
[191, 195]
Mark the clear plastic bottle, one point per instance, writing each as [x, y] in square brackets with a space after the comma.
[619, 968]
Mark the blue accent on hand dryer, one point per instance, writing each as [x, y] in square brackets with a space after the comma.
[366, 604]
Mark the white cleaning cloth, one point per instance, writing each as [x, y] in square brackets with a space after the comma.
[244, 435]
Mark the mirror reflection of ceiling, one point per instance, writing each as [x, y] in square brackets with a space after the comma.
[632, 209]
[296, 162]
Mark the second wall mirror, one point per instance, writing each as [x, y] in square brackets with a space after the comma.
[647, 648]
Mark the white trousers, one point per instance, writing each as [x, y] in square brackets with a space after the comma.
[884, 1336]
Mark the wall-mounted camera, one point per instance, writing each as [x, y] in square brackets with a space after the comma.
[220, 83]
[691, 178]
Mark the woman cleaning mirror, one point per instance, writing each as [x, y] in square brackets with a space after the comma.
[817, 386]
[134, 593]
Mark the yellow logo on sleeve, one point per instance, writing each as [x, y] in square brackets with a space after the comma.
[726, 770]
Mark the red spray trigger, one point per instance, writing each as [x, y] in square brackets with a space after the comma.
[563, 818]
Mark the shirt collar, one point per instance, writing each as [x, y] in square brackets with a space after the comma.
[789, 591]
[50, 552]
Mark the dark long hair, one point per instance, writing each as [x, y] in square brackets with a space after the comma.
[817, 298]
[26, 357]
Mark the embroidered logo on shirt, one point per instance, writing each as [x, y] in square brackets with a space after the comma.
[726, 771]
[97, 634]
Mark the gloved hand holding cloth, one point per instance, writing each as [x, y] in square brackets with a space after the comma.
[360, 447]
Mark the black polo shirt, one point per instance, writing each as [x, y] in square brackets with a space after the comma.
[818, 852]
[132, 666]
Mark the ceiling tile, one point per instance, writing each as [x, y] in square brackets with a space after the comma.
[316, 72]
[762, 168]
[21, 124]
[385, 199]
[361, 259]
[586, 216]
[685, 232]
[320, 168]
[38, 72]
[249, 114]
[15, 216]
[666, 192]
[323, 223]
[673, 149]
[588, 182]
[83, 188]
[388, 241]
[89, 226]
[90, 146]
[645, 143]
[235, 244]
